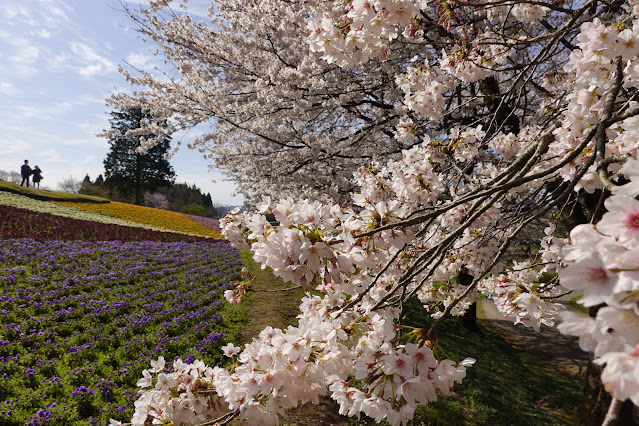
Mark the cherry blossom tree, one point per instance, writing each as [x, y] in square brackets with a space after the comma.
[397, 143]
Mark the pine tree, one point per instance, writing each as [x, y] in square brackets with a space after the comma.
[129, 171]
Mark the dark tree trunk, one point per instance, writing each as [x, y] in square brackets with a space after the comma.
[596, 399]
[138, 179]
[469, 319]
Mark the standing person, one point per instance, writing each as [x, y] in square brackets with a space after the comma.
[37, 176]
[25, 170]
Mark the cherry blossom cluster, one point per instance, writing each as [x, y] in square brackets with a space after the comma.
[519, 295]
[179, 395]
[355, 361]
[364, 31]
[602, 263]
[466, 64]
[424, 88]
[470, 132]
[604, 51]
[528, 13]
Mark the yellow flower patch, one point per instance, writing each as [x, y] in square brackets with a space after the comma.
[147, 215]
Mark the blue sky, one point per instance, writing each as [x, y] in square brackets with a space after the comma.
[59, 62]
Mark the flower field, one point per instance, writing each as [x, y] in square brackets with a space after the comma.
[147, 215]
[80, 320]
[22, 223]
[87, 299]
[23, 202]
[206, 221]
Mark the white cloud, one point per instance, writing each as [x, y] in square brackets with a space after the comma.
[89, 159]
[21, 63]
[54, 12]
[15, 146]
[42, 33]
[54, 157]
[43, 112]
[140, 61]
[8, 89]
[91, 62]
[18, 14]
[58, 13]
[57, 62]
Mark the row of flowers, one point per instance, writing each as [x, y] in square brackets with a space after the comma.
[80, 320]
[16, 200]
[148, 216]
[209, 222]
[23, 223]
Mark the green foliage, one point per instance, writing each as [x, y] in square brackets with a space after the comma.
[89, 188]
[573, 302]
[181, 196]
[128, 171]
[99, 181]
[195, 209]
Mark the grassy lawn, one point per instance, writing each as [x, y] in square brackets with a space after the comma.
[505, 386]
[265, 307]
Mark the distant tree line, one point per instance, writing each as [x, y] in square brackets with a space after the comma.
[12, 176]
[178, 197]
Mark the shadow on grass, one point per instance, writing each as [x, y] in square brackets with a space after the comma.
[505, 386]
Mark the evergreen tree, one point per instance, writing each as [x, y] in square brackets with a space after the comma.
[129, 171]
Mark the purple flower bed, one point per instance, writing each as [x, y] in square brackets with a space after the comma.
[80, 320]
[21, 223]
[206, 221]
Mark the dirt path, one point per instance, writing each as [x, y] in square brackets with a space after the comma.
[561, 352]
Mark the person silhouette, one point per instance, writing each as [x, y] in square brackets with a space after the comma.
[37, 176]
[25, 171]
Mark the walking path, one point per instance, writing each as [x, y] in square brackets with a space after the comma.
[548, 344]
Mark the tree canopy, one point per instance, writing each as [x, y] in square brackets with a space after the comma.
[128, 169]
[398, 143]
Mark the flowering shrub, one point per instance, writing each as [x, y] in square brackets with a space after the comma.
[21, 223]
[147, 215]
[80, 320]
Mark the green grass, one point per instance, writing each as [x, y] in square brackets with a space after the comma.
[265, 307]
[505, 386]
[578, 306]
[46, 195]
